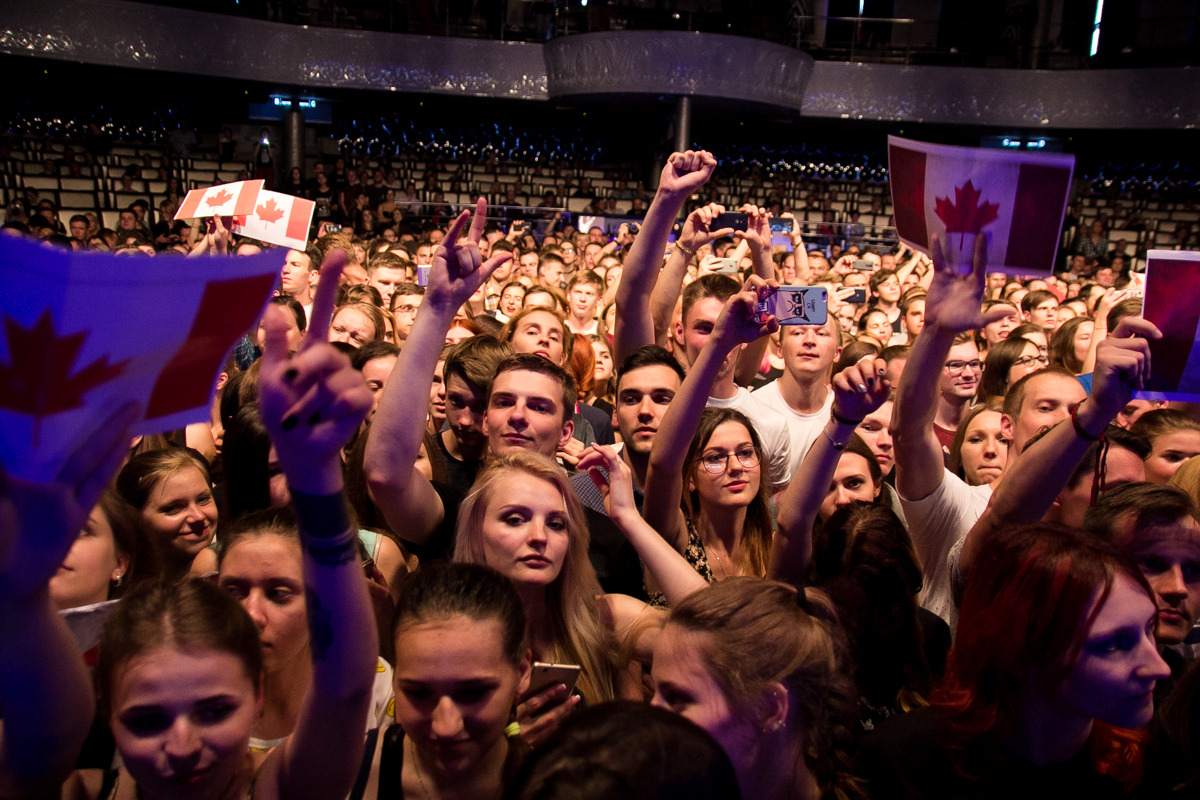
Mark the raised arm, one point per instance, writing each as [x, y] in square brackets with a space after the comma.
[951, 308]
[799, 251]
[695, 233]
[45, 689]
[1043, 469]
[683, 174]
[757, 238]
[737, 324]
[858, 391]
[311, 404]
[613, 477]
[408, 502]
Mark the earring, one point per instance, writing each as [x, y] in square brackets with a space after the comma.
[117, 580]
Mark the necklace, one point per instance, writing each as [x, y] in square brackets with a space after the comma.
[720, 563]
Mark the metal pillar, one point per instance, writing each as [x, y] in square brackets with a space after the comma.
[683, 122]
[293, 143]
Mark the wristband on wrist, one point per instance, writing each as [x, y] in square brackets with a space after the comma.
[836, 417]
[325, 530]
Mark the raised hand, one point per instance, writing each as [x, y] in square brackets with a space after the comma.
[738, 322]
[758, 227]
[686, 172]
[458, 268]
[860, 389]
[954, 299]
[40, 521]
[314, 401]
[697, 228]
[615, 482]
[1122, 366]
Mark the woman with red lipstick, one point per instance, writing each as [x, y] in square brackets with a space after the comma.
[172, 489]
[1052, 672]
[179, 673]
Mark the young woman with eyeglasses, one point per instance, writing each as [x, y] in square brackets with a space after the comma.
[706, 490]
[1008, 362]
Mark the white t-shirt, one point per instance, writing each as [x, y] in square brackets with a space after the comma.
[936, 523]
[803, 429]
[772, 431]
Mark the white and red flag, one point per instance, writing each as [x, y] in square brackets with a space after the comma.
[1171, 300]
[227, 200]
[1017, 200]
[83, 333]
[279, 219]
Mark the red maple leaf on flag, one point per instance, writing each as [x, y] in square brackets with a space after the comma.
[965, 214]
[219, 199]
[38, 380]
[269, 212]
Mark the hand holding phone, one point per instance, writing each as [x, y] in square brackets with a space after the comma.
[796, 305]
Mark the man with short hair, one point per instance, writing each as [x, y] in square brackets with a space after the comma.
[583, 296]
[949, 519]
[647, 383]
[385, 272]
[957, 386]
[802, 395]
[298, 278]
[406, 300]
[551, 271]
[78, 225]
[1040, 307]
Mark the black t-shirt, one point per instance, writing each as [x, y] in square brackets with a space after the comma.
[617, 565]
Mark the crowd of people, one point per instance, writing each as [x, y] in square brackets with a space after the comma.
[482, 511]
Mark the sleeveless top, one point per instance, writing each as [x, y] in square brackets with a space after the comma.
[379, 775]
[695, 555]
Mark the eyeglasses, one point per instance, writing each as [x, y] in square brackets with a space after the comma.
[1029, 361]
[958, 367]
[716, 463]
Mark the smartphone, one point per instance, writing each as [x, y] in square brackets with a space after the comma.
[862, 265]
[423, 274]
[724, 266]
[796, 305]
[518, 225]
[546, 675]
[732, 219]
[859, 296]
[782, 224]
[333, 227]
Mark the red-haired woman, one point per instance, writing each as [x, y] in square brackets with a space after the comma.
[1051, 676]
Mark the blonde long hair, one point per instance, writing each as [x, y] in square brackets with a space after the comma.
[577, 635]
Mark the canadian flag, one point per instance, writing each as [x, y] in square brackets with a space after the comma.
[227, 200]
[1171, 301]
[279, 219]
[1017, 200]
[83, 333]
